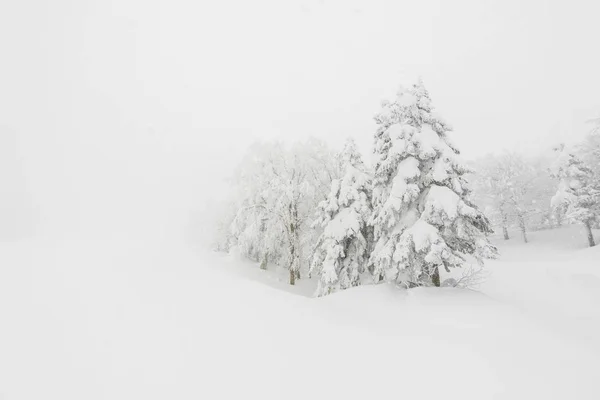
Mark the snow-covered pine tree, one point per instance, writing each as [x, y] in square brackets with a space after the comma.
[576, 191]
[343, 248]
[423, 217]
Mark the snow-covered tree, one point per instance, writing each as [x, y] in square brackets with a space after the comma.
[257, 229]
[515, 188]
[522, 193]
[576, 191]
[279, 189]
[220, 220]
[491, 185]
[542, 190]
[595, 122]
[343, 248]
[589, 151]
[423, 217]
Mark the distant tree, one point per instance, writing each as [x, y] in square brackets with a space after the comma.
[343, 248]
[595, 122]
[589, 151]
[515, 188]
[258, 228]
[491, 184]
[423, 217]
[279, 189]
[522, 191]
[222, 219]
[576, 191]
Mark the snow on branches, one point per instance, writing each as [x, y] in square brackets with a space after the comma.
[577, 192]
[279, 189]
[343, 248]
[423, 218]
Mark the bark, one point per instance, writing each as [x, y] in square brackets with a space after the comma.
[293, 264]
[523, 228]
[505, 226]
[435, 276]
[558, 217]
[590, 234]
[264, 263]
[294, 244]
[524, 233]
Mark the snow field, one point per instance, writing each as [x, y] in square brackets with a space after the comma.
[153, 318]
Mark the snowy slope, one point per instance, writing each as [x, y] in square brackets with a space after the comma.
[130, 317]
[555, 278]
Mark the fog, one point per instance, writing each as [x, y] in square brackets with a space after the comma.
[121, 115]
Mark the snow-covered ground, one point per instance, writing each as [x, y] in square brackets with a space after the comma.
[130, 316]
[554, 279]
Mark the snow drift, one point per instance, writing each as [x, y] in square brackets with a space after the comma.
[127, 317]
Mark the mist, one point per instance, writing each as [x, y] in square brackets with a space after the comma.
[129, 114]
[150, 250]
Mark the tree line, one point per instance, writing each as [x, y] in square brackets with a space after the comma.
[561, 185]
[411, 216]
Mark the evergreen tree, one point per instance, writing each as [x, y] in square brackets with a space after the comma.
[576, 191]
[343, 248]
[423, 217]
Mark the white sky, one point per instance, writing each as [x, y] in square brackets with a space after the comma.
[115, 107]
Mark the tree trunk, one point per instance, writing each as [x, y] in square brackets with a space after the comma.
[263, 264]
[590, 234]
[294, 245]
[505, 226]
[293, 265]
[523, 228]
[435, 276]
